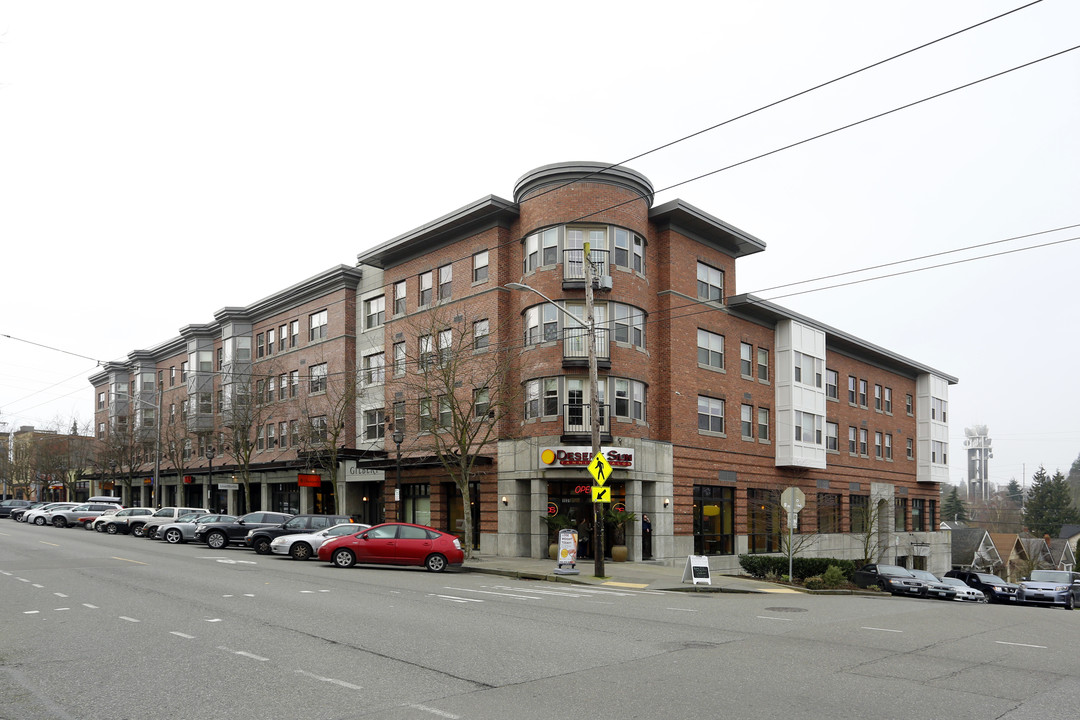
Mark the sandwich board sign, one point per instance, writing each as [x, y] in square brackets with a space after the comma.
[697, 570]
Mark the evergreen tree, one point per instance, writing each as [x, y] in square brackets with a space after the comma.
[953, 508]
[1073, 481]
[1015, 492]
[1049, 504]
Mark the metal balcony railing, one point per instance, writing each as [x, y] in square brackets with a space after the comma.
[574, 264]
[577, 419]
[576, 343]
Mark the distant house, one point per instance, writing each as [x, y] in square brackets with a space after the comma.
[1038, 554]
[1062, 555]
[1013, 554]
[972, 549]
[1070, 533]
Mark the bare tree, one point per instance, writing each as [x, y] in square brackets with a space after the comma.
[248, 410]
[328, 410]
[868, 528]
[456, 385]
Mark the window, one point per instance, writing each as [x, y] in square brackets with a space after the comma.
[807, 369]
[172, 375]
[832, 380]
[710, 349]
[101, 431]
[399, 417]
[931, 515]
[551, 396]
[260, 440]
[910, 449]
[426, 423]
[888, 400]
[317, 326]
[294, 333]
[374, 428]
[710, 414]
[832, 436]
[714, 520]
[294, 432]
[270, 342]
[639, 254]
[763, 520]
[446, 411]
[917, 517]
[427, 355]
[939, 409]
[183, 372]
[400, 295]
[294, 383]
[541, 248]
[480, 334]
[877, 398]
[221, 357]
[374, 369]
[629, 324]
[746, 358]
[101, 400]
[853, 443]
[399, 359]
[851, 389]
[374, 312]
[629, 399]
[445, 347]
[283, 384]
[939, 452]
[862, 442]
[283, 332]
[480, 266]
[481, 402]
[910, 405]
[532, 399]
[862, 393]
[172, 413]
[283, 436]
[879, 446]
[860, 513]
[622, 247]
[808, 428]
[762, 364]
[828, 513]
[425, 288]
[888, 446]
[317, 377]
[271, 436]
[900, 514]
[763, 424]
[260, 348]
[710, 283]
[746, 417]
[318, 428]
[446, 281]
[545, 317]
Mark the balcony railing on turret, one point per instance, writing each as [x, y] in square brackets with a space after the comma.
[577, 419]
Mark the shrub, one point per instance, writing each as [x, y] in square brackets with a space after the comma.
[814, 583]
[833, 577]
[801, 567]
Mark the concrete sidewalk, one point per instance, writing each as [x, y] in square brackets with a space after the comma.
[630, 575]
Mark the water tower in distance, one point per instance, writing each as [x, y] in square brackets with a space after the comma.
[978, 461]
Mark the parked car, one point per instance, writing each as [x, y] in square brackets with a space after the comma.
[18, 514]
[395, 544]
[890, 578]
[66, 517]
[259, 538]
[222, 534]
[88, 522]
[934, 587]
[137, 526]
[994, 588]
[964, 591]
[118, 524]
[37, 515]
[306, 545]
[1050, 587]
[6, 506]
[184, 528]
[155, 522]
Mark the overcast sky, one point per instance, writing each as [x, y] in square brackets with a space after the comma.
[160, 161]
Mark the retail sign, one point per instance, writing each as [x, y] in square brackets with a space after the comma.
[567, 456]
[304, 480]
[697, 570]
[359, 473]
[228, 486]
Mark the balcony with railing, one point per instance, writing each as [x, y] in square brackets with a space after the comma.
[576, 348]
[577, 422]
[574, 267]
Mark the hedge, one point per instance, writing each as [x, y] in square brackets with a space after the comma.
[802, 567]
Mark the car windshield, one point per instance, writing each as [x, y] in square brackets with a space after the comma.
[1051, 576]
[924, 574]
[990, 579]
[189, 517]
[893, 570]
[954, 581]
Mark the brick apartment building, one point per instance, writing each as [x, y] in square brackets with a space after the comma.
[711, 402]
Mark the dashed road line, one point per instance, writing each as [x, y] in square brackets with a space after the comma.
[454, 598]
[881, 629]
[59, 594]
[214, 620]
[1002, 642]
[31, 612]
[130, 561]
[252, 656]
[333, 681]
[37, 585]
[682, 609]
[48, 543]
[59, 609]
[492, 592]
[88, 605]
[129, 619]
[434, 711]
[183, 635]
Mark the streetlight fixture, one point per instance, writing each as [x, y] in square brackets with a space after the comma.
[398, 436]
[594, 406]
[210, 453]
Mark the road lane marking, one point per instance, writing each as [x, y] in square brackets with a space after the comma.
[31, 612]
[307, 592]
[59, 609]
[252, 656]
[433, 711]
[682, 609]
[22, 579]
[59, 594]
[454, 598]
[92, 607]
[881, 629]
[214, 620]
[125, 617]
[1002, 642]
[766, 617]
[183, 635]
[492, 592]
[37, 585]
[48, 543]
[342, 683]
[130, 561]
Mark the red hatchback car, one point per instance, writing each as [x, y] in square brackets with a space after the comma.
[395, 544]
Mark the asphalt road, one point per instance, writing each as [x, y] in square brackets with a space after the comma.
[98, 626]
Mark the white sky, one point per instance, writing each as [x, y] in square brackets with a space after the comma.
[159, 161]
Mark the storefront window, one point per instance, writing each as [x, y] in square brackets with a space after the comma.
[285, 497]
[763, 520]
[714, 520]
[416, 504]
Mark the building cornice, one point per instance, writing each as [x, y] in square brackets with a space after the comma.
[699, 225]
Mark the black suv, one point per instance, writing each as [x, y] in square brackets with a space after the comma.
[259, 538]
[222, 534]
[994, 588]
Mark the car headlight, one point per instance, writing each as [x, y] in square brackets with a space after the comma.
[250, 533]
[1061, 588]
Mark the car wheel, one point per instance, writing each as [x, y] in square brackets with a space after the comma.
[150, 533]
[435, 563]
[1070, 602]
[88, 526]
[262, 546]
[111, 529]
[343, 558]
[217, 540]
[139, 530]
[173, 536]
[39, 520]
[59, 522]
[300, 551]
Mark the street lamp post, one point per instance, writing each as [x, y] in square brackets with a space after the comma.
[210, 453]
[594, 405]
[399, 436]
[112, 471]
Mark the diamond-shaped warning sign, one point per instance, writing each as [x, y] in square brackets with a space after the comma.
[600, 469]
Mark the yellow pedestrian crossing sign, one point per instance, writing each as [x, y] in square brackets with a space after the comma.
[601, 494]
[600, 469]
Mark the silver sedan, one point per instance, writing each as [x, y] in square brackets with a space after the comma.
[181, 532]
[964, 591]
